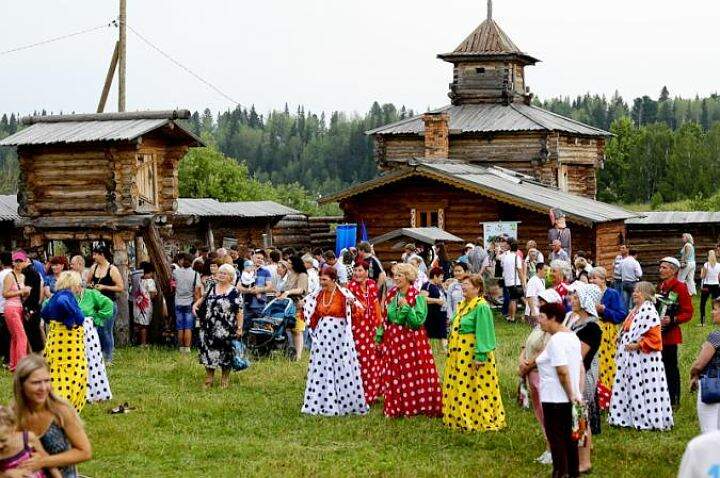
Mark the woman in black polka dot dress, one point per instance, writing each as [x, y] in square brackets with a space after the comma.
[640, 397]
[334, 384]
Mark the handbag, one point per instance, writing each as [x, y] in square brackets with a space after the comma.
[239, 362]
[27, 311]
[710, 387]
[202, 308]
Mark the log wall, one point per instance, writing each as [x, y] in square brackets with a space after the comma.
[653, 242]
[388, 208]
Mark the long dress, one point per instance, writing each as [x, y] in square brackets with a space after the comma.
[96, 308]
[363, 331]
[65, 347]
[219, 327]
[640, 397]
[471, 395]
[613, 314]
[334, 385]
[410, 381]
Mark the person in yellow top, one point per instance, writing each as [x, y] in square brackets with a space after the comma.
[471, 390]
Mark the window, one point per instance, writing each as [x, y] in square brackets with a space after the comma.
[427, 218]
[147, 179]
[480, 71]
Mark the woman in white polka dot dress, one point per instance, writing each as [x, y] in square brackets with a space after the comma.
[640, 397]
[334, 384]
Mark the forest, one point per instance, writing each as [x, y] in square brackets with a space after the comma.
[663, 150]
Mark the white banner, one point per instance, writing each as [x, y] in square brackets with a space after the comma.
[493, 229]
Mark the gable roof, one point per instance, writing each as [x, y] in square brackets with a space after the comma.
[207, 207]
[499, 183]
[494, 118]
[82, 128]
[426, 235]
[676, 217]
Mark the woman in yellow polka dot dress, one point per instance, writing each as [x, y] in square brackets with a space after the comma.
[471, 393]
[65, 345]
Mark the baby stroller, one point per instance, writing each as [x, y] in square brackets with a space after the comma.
[269, 332]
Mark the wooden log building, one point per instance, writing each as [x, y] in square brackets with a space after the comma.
[659, 234]
[110, 177]
[10, 231]
[488, 156]
[219, 224]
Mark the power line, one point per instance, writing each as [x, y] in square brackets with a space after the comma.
[180, 65]
[63, 37]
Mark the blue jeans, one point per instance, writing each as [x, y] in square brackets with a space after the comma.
[627, 290]
[105, 334]
[506, 301]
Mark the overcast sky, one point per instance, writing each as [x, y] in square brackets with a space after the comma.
[342, 55]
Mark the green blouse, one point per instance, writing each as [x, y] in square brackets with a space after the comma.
[94, 304]
[477, 318]
[411, 317]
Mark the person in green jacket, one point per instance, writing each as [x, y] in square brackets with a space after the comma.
[471, 391]
[96, 308]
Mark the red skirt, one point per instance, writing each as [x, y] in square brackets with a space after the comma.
[410, 380]
[363, 331]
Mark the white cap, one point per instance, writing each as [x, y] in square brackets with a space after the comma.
[550, 296]
[671, 260]
[469, 245]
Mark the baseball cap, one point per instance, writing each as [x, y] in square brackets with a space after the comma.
[19, 255]
[671, 260]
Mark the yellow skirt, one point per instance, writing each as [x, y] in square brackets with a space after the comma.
[65, 354]
[607, 350]
[471, 396]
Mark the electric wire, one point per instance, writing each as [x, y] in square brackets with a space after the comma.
[62, 37]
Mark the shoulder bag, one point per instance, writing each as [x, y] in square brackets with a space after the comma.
[710, 386]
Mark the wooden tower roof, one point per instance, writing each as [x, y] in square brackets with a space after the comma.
[487, 40]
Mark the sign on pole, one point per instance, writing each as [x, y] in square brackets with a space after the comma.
[491, 230]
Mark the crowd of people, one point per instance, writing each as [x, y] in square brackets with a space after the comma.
[597, 344]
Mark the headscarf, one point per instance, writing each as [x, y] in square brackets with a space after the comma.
[589, 298]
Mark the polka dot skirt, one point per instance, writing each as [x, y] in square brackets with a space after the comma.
[363, 331]
[334, 386]
[98, 385]
[410, 380]
[65, 354]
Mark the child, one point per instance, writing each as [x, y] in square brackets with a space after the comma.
[16, 447]
[143, 303]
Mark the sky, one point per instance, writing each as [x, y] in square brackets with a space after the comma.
[345, 54]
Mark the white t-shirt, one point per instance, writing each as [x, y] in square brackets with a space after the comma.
[342, 272]
[534, 286]
[562, 349]
[510, 261]
[186, 281]
[711, 274]
[3, 274]
[701, 458]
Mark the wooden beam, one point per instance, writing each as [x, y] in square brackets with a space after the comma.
[108, 79]
[120, 259]
[122, 56]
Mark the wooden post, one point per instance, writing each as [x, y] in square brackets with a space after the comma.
[122, 55]
[139, 251]
[210, 237]
[120, 259]
[108, 79]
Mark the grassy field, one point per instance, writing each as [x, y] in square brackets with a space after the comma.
[255, 428]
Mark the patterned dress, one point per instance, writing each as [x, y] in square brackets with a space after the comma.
[65, 348]
[96, 308]
[614, 314]
[410, 380]
[471, 395]
[640, 397]
[219, 327]
[363, 331]
[334, 386]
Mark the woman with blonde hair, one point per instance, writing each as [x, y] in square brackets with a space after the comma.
[640, 397]
[65, 346]
[687, 263]
[710, 283]
[410, 380]
[48, 416]
[220, 324]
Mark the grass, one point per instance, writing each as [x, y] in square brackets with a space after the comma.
[255, 427]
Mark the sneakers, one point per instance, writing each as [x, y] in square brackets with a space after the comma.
[545, 458]
[184, 350]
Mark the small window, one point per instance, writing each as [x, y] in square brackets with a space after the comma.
[146, 179]
[427, 218]
[480, 70]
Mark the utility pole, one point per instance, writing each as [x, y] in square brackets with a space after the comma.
[122, 56]
[117, 62]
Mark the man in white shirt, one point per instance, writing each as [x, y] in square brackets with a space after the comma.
[617, 270]
[331, 261]
[702, 457]
[630, 275]
[535, 286]
[513, 277]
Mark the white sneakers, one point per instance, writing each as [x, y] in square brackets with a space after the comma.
[545, 458]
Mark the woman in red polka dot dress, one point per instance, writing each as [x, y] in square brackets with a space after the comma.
[363, 330]
[410, 380]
